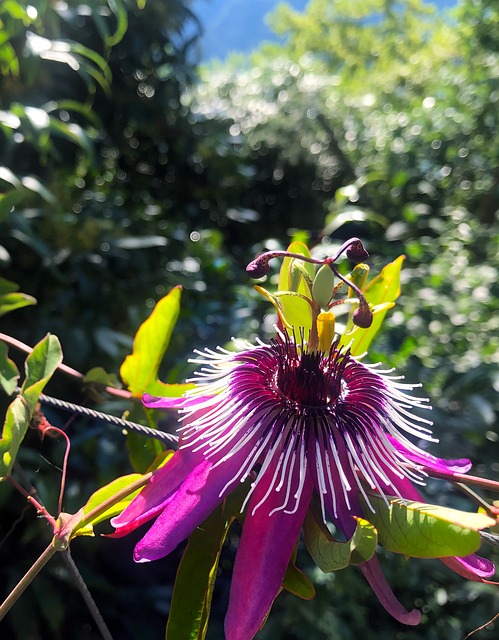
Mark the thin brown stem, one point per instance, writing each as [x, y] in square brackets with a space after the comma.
[478, 499]
[120, 393]
[38, 506]
[484, 483]
[26, 580]
[60, 432]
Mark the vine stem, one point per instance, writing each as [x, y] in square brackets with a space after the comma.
[60, 432]
[33, 501]
[120, 393]
[465, 479]
[26, 580]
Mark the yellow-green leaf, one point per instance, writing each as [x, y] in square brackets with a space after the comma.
[425, 530]
[9, 373]
[40, 365]
[14, 429]
[297, 583]
[333, 555]
[139, 371]
[380, 293]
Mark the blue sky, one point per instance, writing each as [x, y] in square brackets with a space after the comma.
[239, 25]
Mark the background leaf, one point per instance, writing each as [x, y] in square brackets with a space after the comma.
[10, 299]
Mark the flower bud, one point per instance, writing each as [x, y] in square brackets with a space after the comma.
[362, 316]
[322, 288]
[259, 267]
[356, 251]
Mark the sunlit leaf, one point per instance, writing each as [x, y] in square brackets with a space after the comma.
[14, 429]
[296, 311]
[426, 530]
[120, 13]
[9, 373]
[33, 184]
[8, 176]
[40, 365]
[380, 293]
[336, 219]
[333, 555]
[139, 371]
[11, 301]
[286, 274]
[108, 491]
[73, 132]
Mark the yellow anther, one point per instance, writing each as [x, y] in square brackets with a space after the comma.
[325, 329]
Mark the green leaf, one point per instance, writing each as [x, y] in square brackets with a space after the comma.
[142, 450]
[193, 590]
[108, 491]
[380, 293]
[139, 371]
[14, 429]
[164, 390]
[333, 555]
[121, 16]
[11, 301]
[9, 373]
[7, 286]
[106, 502]
[33, 184]
[297, 583]
[426, 530]
[40, 365]
[295, 310]
[99, 376]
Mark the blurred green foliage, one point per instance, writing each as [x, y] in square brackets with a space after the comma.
[126, 169]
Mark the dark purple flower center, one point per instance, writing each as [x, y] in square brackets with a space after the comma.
[309, 379]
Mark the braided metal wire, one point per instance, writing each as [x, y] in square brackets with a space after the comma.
[99, 415]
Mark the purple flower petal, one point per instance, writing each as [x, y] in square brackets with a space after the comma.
[191, 503]
[472, 567]
[335, 484]
[420, 457]
[374, 575]
[267, 542]
[154, 402]
[152, 499]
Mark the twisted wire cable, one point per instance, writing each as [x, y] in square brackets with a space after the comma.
[99, 415]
